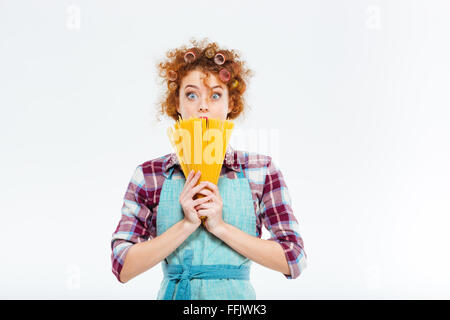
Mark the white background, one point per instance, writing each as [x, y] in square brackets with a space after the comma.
[356, 93]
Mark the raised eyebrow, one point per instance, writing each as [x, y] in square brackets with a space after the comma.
[191, 85]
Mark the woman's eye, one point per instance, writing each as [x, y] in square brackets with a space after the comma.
[217, 94]
[189, 94]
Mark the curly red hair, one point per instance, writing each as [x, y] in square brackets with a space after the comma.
[237, 84]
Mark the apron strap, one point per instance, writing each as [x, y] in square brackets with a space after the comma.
[241, 173]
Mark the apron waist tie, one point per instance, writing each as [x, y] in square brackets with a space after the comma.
[183, 273]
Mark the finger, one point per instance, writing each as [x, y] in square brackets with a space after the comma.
[212, 187]
[189, 177]
[201, 200]
[191, 183]
[201, 215]
[205, 205]
[214, 197]
[196, 189]
[204, 213]
[195, 178]
[205, 192]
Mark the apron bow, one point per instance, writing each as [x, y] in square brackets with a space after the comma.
[182, 275]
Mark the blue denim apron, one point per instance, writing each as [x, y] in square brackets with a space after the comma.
[204, 267]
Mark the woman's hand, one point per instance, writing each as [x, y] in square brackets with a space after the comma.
[211, 209]
[186, 198]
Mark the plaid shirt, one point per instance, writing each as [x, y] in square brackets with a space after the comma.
[271, 201]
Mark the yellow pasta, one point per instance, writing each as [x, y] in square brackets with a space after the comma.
[200, 145]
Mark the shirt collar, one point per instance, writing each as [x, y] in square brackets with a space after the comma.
[230, 160]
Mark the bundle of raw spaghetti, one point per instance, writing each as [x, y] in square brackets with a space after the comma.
[200, 145]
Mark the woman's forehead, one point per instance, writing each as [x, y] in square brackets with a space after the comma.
[198, 78]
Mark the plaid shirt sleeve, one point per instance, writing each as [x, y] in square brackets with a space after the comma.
[280, 221]
[133, 225]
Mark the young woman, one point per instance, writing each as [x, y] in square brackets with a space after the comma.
[160, 218]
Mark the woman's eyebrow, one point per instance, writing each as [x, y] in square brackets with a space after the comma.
[191, 85]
